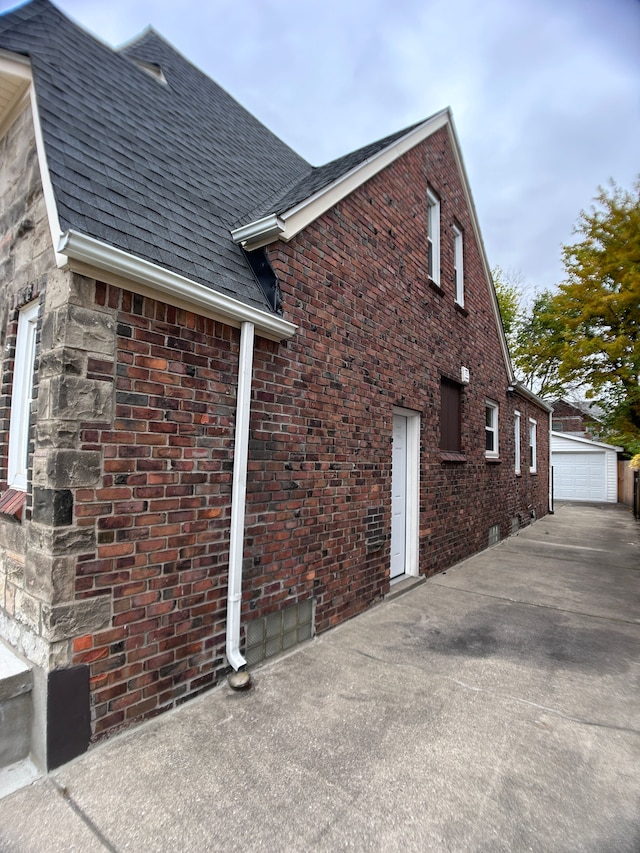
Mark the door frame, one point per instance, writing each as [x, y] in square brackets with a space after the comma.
[412, 513]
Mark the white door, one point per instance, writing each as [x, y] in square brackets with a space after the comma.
[399, 497]
[579, 476]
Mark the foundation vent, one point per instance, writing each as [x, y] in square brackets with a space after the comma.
[279, 631]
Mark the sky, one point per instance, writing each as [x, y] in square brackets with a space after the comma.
[545, 93]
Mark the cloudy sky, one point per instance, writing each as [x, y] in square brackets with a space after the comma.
[545, 93]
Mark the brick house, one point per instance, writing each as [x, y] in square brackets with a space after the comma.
[578, 418]
[241, 396]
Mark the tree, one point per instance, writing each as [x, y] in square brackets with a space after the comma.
[538, 347]
[598, 308]
[509, 292]
[533, 332]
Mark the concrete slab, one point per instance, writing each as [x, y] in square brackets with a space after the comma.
[503, 718]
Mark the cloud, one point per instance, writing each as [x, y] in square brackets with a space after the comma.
[545, 93]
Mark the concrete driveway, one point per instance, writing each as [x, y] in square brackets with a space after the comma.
[493, 708]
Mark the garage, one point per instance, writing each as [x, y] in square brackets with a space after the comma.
[583, 470]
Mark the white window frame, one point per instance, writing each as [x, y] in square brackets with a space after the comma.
[433, 237]
[533, 446]
[516, 437]
[492, 428]
[21, 397]
[458, 265]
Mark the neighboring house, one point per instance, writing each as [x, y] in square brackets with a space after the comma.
[583, 470]
[577, 418]
[241, 395]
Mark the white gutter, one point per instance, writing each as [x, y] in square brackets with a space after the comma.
[267, 228]
[238, 497]
[78, 247]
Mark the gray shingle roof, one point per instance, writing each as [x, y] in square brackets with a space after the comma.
[319, 177]
[163, 171]
[160, 171]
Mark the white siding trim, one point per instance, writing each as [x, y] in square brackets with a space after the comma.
[21, 397]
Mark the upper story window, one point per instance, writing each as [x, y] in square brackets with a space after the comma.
[458, 266]
[491, 430]
[21, 397]
[516, 440]
[533, 449]
[433, 237]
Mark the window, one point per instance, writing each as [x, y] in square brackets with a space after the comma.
[458, 266]
[433, 238]
[533, 451]
[516, 437]
[22, 396]
[450, 394]
[491, 430]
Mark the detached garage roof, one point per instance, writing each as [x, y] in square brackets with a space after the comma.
[559, 439]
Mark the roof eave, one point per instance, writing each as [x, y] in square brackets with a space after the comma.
[90, 256]
[292, 221]
[525, 392]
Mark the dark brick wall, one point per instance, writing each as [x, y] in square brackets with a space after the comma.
[162, 511]
[373, 334]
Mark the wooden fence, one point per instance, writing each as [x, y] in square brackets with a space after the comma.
[625, 484]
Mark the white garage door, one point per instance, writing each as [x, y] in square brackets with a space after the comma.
[579, 476]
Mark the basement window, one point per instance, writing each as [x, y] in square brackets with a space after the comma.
[278, 632]
[494, 535]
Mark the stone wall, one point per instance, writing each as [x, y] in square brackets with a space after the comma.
[39, 613]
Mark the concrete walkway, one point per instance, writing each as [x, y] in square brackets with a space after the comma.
[493, 708]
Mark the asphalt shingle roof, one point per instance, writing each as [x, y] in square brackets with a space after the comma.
[160, 171]
[163, 171]
[319, 177]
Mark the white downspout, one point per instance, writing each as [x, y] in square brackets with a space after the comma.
[238, 496]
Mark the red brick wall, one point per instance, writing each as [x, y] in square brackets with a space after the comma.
[162, 511]
[373, 334]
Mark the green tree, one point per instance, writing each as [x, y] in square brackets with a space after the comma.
[538, 347]
[533, 332]
[509, 292]
[598, 308]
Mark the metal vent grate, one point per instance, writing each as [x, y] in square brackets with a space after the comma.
[278, 632]
[494, 534]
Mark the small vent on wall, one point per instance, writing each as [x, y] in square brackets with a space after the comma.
[494, 534]
[278, 632]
